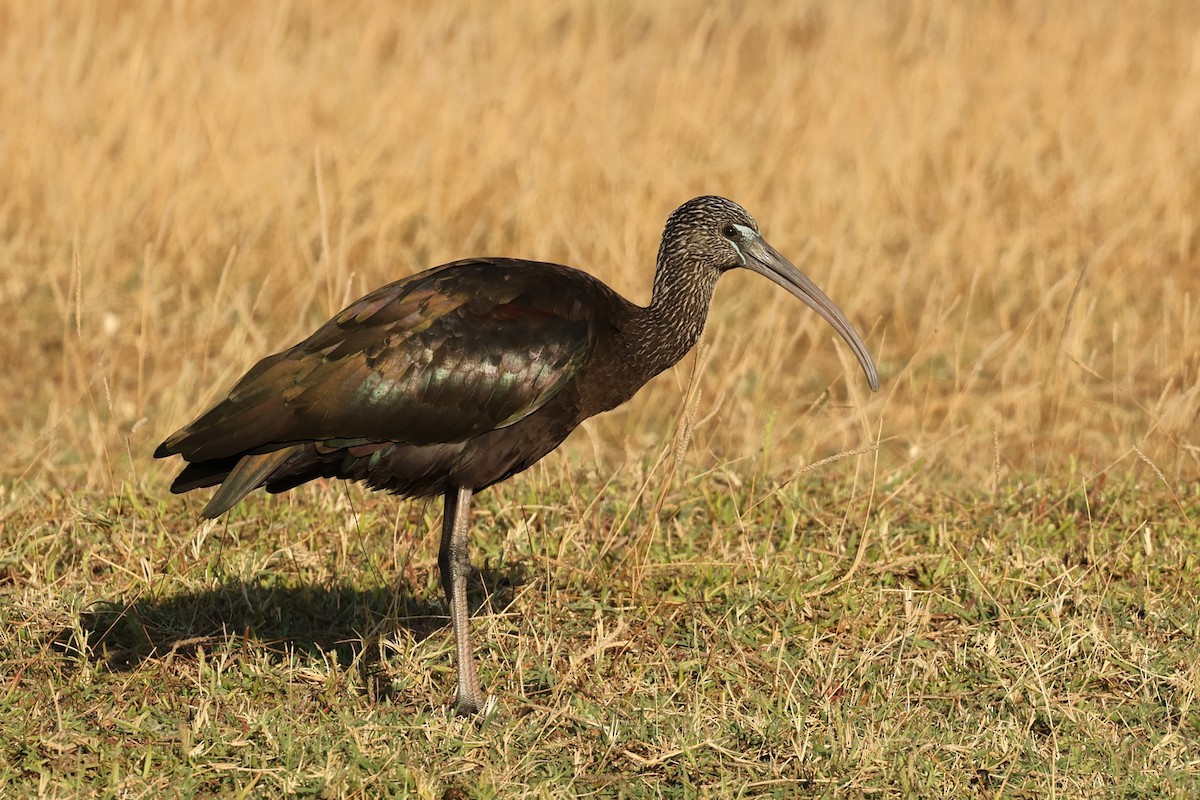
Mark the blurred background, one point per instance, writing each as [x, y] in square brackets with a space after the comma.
[1003, 197]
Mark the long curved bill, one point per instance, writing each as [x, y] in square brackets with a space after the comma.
[767, 261]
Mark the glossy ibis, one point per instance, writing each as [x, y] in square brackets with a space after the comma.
[458, 377]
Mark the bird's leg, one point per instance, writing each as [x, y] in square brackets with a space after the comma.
[455, 565]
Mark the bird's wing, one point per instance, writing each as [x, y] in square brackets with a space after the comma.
[440, 357]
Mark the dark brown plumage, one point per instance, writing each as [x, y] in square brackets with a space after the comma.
[458, 377]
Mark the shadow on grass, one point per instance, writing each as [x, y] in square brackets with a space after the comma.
[332, 620]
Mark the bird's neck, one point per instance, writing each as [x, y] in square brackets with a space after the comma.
[669, 327]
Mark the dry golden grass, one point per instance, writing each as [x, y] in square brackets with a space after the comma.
[1004, 197]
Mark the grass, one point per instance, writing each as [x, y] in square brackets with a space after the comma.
[754, 579]
[752, 645]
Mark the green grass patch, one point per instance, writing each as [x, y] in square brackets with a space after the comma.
[718, 637]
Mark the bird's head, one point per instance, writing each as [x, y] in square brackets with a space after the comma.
[710, 235]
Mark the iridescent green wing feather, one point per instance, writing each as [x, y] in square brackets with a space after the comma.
[440, 357]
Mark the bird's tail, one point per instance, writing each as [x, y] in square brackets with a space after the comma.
[250, 473]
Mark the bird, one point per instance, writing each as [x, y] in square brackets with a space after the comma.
[459, 377]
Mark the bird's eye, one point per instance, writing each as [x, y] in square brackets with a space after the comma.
[730, 232]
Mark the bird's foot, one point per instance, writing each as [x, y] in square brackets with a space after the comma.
[468, 705]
